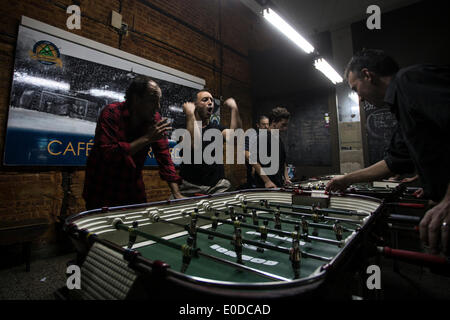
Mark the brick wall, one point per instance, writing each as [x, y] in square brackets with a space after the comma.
[209, 39]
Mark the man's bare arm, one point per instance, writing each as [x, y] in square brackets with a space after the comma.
[236, 121]
[191, 124]
[379, 170]
[258, 169]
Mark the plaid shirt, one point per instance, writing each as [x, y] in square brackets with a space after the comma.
[113, 175]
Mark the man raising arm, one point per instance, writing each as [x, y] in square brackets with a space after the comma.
[205, 178]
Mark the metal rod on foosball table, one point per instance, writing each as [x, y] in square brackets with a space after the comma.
[121, 226]
[197, 252]
[325, 210]
[298, 214]
[275, 231]
[247, 241]
[294, 214]
[264, 245]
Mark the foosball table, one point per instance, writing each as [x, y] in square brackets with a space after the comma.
[250, 244]
[399, 198]
[401, 214]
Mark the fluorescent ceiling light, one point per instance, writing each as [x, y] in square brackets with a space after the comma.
[288, 31]
[108, 94]
[354, 97]
[327, 70]
[40, 82]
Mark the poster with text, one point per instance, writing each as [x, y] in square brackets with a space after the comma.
[58, 90]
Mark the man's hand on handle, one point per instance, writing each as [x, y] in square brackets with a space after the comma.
[434, 227]
[338, 183]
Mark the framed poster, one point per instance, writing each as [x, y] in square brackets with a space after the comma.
[61, 81]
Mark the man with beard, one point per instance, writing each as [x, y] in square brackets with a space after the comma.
[124, 133]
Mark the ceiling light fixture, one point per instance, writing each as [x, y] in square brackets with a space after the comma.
[323, 66]
[287, 30]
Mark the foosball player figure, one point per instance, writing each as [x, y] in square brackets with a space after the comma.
[263, 230]
[277, 218]
[187, 251]
[315, 218]
[244, 206]
[255, 217]
[297, 230]
[305, 226]
[295, 254]
[132, 234]
[244, 210]
[237, 242]
[337, 228]
[232, 214]
[193, 227]
[264, 203]
[214, 224]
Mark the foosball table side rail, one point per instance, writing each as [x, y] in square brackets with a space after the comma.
[155, 279]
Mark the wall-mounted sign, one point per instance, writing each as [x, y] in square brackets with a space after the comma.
[61, 81]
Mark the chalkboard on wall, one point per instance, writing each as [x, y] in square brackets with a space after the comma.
[309, 142]
[380, 125]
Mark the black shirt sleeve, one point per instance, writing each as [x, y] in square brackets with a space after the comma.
[420, 98]
[397, 155]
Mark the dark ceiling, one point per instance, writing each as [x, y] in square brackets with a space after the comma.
[285, 69]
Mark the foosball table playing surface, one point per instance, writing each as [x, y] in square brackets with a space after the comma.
[249, 242]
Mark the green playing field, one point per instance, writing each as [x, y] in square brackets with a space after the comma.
[270, 261]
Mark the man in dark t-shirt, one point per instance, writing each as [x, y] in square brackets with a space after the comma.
[263, 123]
[419, 97]
[278, 120]
[204, 178]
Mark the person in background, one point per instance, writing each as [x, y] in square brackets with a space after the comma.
[278, 119]
[263, 123]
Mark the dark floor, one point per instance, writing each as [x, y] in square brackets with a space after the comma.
[405, 281]
[409, 282]
[45, 277]
[399, 280]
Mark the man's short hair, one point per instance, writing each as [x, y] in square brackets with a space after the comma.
[261, 117]
[195, 94]
[376, 61]
[139, 87]
[278, 113]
